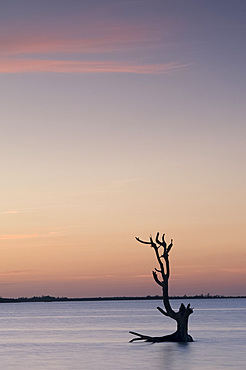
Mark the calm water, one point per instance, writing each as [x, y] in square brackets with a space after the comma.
[94, 335]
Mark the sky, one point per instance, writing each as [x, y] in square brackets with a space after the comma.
[121, 119]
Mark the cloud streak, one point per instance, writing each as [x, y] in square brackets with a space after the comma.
[109, 49]
[63, 66]
[26, 236]
[116, 39]
[9, 212]
[15, 273]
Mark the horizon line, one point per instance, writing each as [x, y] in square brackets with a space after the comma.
[48, 298]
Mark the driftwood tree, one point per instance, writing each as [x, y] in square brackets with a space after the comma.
[161, 276]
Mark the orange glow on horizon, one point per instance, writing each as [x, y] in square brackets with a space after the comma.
[107, 267]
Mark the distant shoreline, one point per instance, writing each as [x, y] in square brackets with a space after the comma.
[65, 299]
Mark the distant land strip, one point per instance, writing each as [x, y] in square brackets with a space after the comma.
[48, 298]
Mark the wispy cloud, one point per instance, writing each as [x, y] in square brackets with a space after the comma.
[15, 273]
[233, 270]
[18, 236]
[24, 210]
[26, 236]
[62, 66]
[89, 277]
[112, 49]
[116, 39]
[141, 276]
[10, 212]
[34, 209]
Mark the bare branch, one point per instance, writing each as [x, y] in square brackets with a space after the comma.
[159, 261]
[189, 309]
[156, 278]
[141, 241]
[141, 337]
[163, 241]
[162, 311]
[157, 239]
[170, 246]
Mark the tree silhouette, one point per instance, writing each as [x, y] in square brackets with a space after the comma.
[161, 277]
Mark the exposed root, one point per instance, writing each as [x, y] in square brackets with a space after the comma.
[166, 338]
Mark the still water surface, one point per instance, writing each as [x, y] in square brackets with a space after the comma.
[94, 335]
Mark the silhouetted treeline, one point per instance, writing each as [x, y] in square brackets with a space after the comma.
[48, 298]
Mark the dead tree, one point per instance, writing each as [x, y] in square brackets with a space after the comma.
[182, 315]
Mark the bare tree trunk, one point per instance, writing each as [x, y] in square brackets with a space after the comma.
[182, 315]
